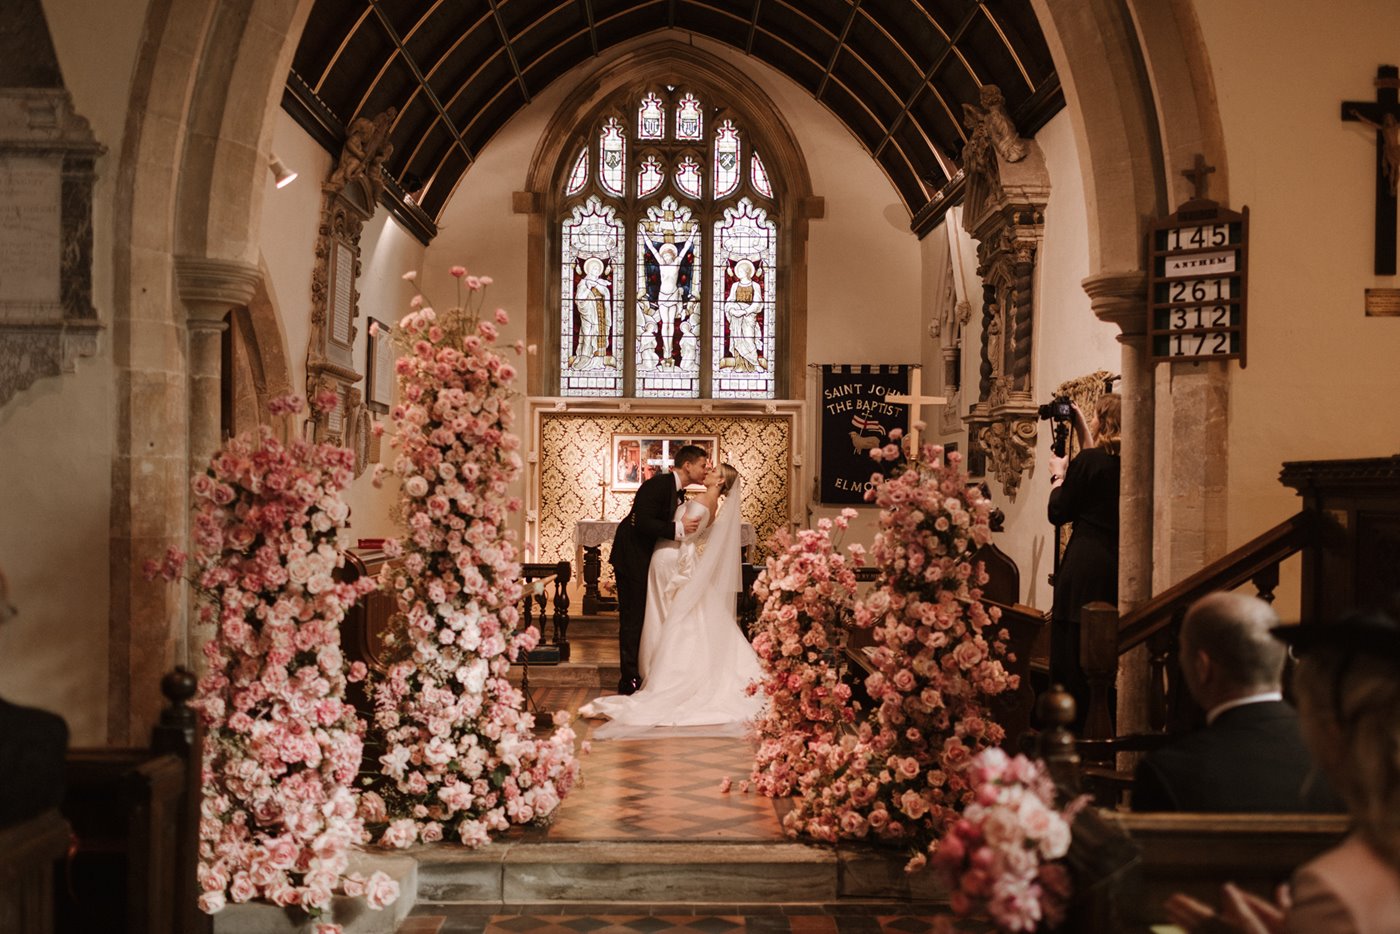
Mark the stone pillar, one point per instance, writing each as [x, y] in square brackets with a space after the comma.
[209, 289]
[1120, 298]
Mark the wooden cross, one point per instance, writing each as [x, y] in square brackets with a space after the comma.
[915, 402]
[1196, 175]
[1383, 116]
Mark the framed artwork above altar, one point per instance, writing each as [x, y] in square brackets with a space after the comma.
[638, 458]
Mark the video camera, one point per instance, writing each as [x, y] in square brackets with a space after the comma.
[1060, 410]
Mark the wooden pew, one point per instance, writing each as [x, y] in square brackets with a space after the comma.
[1169, 853]
[135, 817]
[28, 852]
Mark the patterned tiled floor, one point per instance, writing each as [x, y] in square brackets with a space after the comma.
[658, 789]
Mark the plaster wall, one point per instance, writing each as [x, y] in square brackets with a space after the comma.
[1321, 379]
[56, 437]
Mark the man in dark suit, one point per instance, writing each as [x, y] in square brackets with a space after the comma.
[1250, 756]
[33, 744]
[650, 518]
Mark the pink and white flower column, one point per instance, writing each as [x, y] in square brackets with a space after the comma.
[898, 776]
[460, 757]
[807, 589]
[282, 747]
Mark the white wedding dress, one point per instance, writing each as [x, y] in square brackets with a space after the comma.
[695, 662]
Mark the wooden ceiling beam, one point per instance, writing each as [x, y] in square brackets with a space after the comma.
[510, 49]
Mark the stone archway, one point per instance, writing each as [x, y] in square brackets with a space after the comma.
[1136, 79]
[255, 368]
[207, 80]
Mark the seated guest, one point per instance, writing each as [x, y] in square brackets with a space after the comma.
[1250, 756]
[1348, 687]
[32, 746]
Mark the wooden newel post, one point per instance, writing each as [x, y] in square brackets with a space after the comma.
[1056, 744]
[1098, 656]
[179, 733]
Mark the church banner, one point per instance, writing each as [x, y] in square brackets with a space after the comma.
[855, 418]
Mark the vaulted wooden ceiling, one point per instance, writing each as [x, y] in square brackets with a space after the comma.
[895, 72]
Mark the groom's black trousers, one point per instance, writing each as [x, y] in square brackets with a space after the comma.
[631, 613]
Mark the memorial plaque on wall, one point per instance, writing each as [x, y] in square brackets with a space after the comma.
[856, 418]
[1197, 284]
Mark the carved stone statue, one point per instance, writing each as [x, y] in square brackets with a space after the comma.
[366, 147]
[998, 125]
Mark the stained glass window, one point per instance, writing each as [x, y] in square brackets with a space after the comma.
[651, 118]
[689, 122]
[649, 176]
[745, 252]
[578, 176]
[758, 176]
[668, 302]
[612, 152]
[689, 307]
[688, 178]
[590, 353]
[726, 159]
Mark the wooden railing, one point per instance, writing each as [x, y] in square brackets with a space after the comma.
[549, 604]
[1106, 636]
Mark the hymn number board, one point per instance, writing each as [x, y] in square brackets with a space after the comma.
[1197, 285]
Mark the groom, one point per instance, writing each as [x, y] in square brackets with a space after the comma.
[649, 520]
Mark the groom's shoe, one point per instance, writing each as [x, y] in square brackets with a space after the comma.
[629, 685]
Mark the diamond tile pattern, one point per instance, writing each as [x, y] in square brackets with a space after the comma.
[666, 789]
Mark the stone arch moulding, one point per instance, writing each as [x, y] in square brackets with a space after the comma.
[662, 62]
[189, 183]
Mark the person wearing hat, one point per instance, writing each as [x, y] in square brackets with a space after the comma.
[1250, 756]
[1348, 689]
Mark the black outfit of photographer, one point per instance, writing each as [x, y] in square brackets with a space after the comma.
[1086, 494]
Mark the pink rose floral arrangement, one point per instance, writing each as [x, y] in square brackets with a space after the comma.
[807, 589]
[282, 747]
[999, 857]
[460, 756]
[898, 776]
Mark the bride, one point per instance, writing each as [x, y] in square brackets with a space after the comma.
[695, 662]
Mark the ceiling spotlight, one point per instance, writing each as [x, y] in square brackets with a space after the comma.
[280, 172]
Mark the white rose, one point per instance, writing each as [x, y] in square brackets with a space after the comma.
[416, 486]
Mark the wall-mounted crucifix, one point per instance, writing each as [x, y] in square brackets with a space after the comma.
[1383, 116]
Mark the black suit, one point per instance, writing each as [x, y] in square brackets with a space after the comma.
[652, 517]
[1252, 758]
[33, 744]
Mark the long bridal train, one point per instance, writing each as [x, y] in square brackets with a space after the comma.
[696, 664]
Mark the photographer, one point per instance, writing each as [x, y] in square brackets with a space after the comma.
[1085, 492]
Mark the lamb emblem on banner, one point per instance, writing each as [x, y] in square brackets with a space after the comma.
[860, 441]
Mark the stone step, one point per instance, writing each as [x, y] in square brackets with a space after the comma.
[725, 873]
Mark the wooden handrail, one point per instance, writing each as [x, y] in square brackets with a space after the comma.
[1254, 557]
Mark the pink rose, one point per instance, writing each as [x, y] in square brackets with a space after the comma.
[381, 890]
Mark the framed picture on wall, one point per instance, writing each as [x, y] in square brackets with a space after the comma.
[637, 458]
[379, 384]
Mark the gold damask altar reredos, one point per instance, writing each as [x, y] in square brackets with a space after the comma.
[573, 461]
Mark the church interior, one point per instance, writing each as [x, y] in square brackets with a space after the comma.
[705, 221]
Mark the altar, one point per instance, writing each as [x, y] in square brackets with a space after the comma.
[592, 534]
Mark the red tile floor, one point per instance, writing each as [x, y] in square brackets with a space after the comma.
[660, 789]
